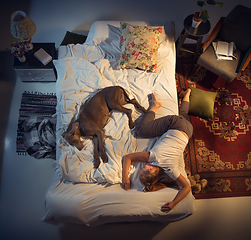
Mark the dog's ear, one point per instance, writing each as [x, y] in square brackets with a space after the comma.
[75, 126]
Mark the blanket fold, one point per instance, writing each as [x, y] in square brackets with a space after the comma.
[79, 79]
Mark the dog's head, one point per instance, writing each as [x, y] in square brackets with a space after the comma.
[72, 136]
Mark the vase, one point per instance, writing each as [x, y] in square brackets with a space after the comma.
[196, 20]
[195, 24]
[22, 58]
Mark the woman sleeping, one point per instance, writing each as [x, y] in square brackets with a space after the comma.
[162, 161]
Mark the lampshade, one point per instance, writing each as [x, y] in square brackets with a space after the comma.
[21, 26]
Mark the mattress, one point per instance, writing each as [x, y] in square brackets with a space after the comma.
[79, 193]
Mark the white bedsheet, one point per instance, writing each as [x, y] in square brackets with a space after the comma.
[80, 193]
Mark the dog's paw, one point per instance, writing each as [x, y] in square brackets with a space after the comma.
[104, 157]
[143, 110]
[96, 163]
[131, 124]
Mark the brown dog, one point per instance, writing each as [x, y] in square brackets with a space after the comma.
[93, 116]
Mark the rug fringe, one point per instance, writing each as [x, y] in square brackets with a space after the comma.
[39, 93]
[22, 153]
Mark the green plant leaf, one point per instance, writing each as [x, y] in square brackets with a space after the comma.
[204, 15]
[211, 2]
[219, 4]
[200, 3]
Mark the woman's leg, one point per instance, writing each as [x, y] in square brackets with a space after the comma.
[184, 106]
[148, 127]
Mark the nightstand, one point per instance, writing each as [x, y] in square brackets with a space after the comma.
[32, 70]
[196, 34]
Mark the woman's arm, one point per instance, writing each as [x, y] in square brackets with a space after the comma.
[126, 162]
[185, 189]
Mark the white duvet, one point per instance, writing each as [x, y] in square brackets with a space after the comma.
[80, 193]
[85, 78]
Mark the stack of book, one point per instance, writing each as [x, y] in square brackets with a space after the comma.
[224, 50]
[43, 56]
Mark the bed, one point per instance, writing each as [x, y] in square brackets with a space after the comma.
[78, 192]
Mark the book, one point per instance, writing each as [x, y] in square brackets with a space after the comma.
[224, 50]
[43, 56]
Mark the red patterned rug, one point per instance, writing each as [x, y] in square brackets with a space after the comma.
[220, 149]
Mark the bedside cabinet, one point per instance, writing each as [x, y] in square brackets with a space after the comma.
[32, 70]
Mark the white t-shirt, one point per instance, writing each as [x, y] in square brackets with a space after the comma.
[167, 151]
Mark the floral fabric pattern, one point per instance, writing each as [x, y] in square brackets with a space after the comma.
[139, 47]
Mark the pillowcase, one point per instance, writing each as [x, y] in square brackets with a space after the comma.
[202, 103]
[139, 46]
[73, 38]
[101, 31]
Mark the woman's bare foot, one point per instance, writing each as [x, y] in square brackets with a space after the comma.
[154, 103]
[187, 95]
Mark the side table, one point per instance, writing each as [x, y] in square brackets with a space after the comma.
[32, 70]
[192, 33]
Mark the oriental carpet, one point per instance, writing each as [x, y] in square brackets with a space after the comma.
[220, 149]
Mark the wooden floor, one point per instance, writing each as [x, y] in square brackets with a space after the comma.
[26, 180]
[7, 84]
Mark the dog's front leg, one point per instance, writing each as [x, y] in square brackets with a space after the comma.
[137, 105]
[96, 152]
[101, 144]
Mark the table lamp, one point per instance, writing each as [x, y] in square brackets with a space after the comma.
[22, 27]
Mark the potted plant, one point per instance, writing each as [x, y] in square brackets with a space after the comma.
[19, 48]
[202, 15]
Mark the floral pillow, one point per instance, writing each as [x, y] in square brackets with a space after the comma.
[139, 47]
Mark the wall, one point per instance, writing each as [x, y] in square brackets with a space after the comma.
[53, 18]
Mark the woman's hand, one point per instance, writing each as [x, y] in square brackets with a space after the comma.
[126, 183]
[126, 162]
[185, 189]
[168, 207]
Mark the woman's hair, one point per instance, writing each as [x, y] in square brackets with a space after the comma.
[154, 181]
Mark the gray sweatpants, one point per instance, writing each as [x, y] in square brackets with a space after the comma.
[147, 127]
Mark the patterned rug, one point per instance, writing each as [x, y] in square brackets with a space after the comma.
[33, 105]
[220, 149]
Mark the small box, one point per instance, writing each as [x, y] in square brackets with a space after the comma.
[43, 56]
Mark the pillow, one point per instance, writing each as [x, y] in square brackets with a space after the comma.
[101, 31]
[73, 38]
[139, 46]
[202, 103]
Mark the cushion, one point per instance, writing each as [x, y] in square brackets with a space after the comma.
[224, 69]
[202, 103]
[73, 38]
[139, 46]
[102, 30]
